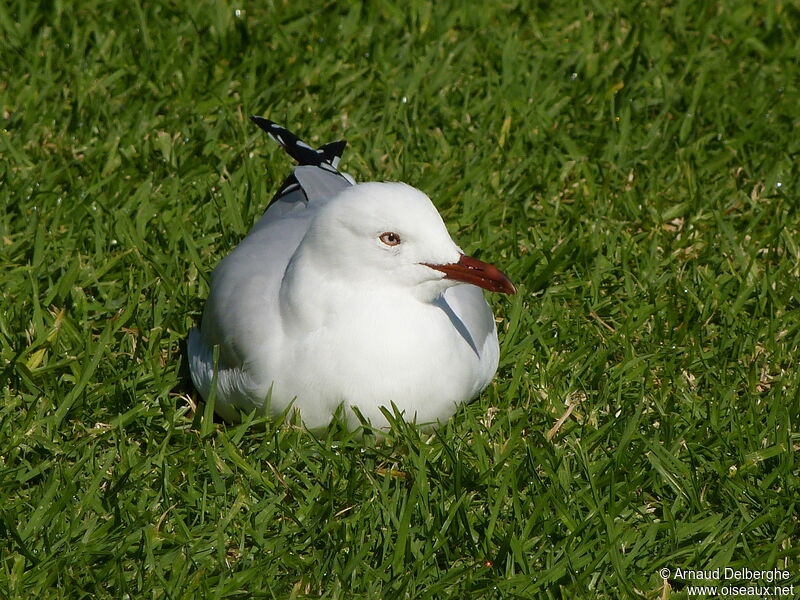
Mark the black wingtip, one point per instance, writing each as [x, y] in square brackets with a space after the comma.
[299, 150]
[334, 149]
[265, 124]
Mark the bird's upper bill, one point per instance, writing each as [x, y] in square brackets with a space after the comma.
[474, 271]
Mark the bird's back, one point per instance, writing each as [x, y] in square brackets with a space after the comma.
[241, 315]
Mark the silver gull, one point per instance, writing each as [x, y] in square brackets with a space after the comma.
[346, 294]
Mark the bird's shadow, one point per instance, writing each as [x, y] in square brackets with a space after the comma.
[457, 323]
[184, 385]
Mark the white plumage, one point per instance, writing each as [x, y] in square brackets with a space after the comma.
[350, 294]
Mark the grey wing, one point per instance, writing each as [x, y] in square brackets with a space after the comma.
[314, 185]
[324, 159]
[315, 179]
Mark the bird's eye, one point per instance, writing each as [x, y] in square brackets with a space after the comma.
[390, 238]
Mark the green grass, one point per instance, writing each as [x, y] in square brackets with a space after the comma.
[632, 166]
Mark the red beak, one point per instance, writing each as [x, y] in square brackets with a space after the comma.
[471, 270]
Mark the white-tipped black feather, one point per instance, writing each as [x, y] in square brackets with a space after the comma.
[320, 165]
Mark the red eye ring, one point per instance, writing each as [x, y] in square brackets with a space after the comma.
[390, 238]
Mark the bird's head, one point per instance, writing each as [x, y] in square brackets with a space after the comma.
[390, 234]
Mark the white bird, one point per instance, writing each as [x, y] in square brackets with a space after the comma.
[346, 294]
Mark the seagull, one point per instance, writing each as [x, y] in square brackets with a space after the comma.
[345, 294]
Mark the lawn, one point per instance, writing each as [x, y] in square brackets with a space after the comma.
[633, 167]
